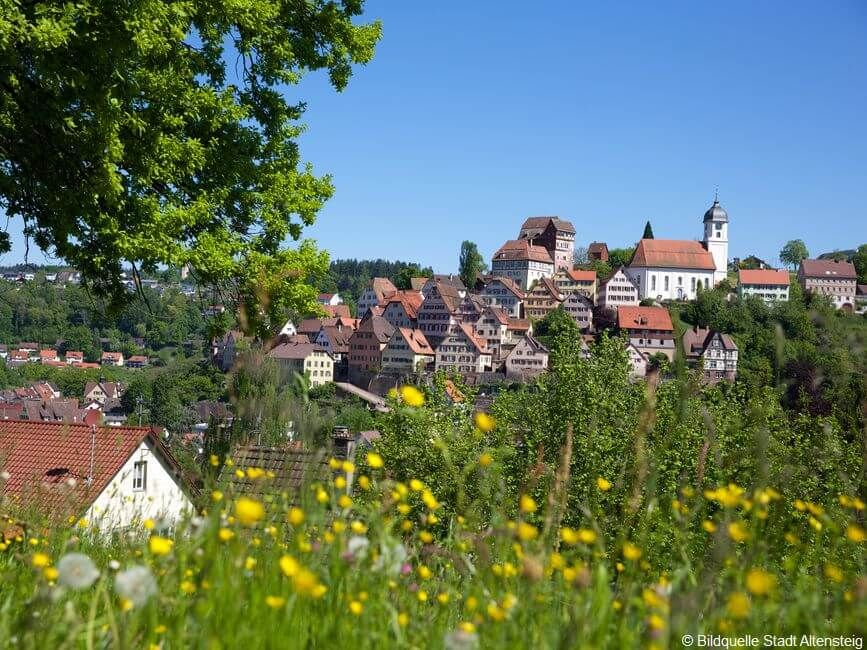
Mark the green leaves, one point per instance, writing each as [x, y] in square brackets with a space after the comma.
[157, 133]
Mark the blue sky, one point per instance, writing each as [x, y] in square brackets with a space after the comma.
[475, 115]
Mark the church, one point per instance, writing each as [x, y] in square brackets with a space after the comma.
[673, 269]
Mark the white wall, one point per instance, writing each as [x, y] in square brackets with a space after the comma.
[119, 506]
[677, 279]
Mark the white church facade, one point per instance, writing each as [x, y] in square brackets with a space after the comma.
[673, 269]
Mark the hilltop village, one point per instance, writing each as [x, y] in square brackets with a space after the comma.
[486, 332]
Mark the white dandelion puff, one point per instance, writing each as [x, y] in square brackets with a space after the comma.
[76, 571]
[136, 584]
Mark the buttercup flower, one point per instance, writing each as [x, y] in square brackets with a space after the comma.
[249, 511]
[374, 460]
[603, 484]
[76, 571]
[411, 396]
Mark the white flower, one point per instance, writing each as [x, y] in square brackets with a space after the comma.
[357, 545]
[4, 475]
[114, 565]
[460, 640]
[76, 571]
[391, 558]
[136, 585]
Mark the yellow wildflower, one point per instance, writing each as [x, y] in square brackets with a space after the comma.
[655, 622]
[411, 396]
[833, 573]
[603, 484]
[403, 619]
[854, 533]
[225, 534]
[569, 536]
[631, 551]
[527, 532]
[50, 573]
[321, 495]
[355, 607]
[188, 587]
[528, 505]
[295, 516]
[422, 596]
[424, 573]
[275, 602]
[467, 627]
[249, 511]
[214, 461]
[443, 598]
[160, 545]
[586, 535]
[216, 496]
[709, 526]
[340, 482]
[738, 605]
[760, 582]
[40, 560]
[149, 524]
[344, 501]
[255, 473]
[484, 422]
[334, 464]
[364, 482]
[485, 459]
[374, 460]
[358, 527]
[738, 532]
[289, 566]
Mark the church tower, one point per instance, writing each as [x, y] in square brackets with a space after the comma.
[716, 239]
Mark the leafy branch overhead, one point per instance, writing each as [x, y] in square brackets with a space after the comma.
[160, 133]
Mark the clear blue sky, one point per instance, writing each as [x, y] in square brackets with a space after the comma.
[475, 115]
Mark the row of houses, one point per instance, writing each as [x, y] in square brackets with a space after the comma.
[43, 402]
[33, 353]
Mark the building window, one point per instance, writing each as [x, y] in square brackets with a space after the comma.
[653, 283]
[139, 476]
[666, 283]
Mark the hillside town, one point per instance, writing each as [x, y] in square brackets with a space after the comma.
[485, 332]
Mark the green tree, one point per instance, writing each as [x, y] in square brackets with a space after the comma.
[555, 327]
[620, 256]
[648, 231]
[860, 262]
[158, 133]
[793, 252]
[471, 263]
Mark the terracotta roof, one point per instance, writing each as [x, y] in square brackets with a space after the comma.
[313, 325]
[546, 285]
[509, 284]
[763, 276]
[19, 354]
[111, 356]
[644, 318]
[696, 340]
[540, 223]
[41, 456]
[380, 327]
[411, 301]
[828, 269]
[597, 247]
[416, 341]
[672, 253]
[479, 343]
[521, 249]
[501, 316]
[582, 276]
[337, 311]
[293, 467]
[326, 296]
[47, 354]
[381, 287]
[74, 354]
[338, 338]
[519, 324]
[138, 358]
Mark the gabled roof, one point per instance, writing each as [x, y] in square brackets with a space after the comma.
[546, 285]
[644, 318]
[294, 350]
[47, 354]
[292, 468]
[597, 247]
[696, 340]
[499, 315]
[381, 328]
[577, 296]
[337, 311]
[411, 301]
[477, 342]
[416, 341]
[416, 284]
[582, 276]
[519, 324]
[764, 276]
[41, 457]
[828, 269]
[507, 283]
[337, 338]
[382, 287]
[529, 341]
[672, 253]
[112, 356]
[521, 249]
[110, 388]
[540, 223]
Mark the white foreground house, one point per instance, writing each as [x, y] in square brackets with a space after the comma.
[112, 477]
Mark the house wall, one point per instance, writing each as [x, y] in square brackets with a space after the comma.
[652, 341]
[767, 292]
[458, 354]
[523, 272]
[497, 295]
[670, 283]
[618, 291]
[120, 506]
[841, 292]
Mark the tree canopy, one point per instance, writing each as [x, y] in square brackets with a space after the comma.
[648, 231]
[153, 133]
[793, 252]
[471, 263]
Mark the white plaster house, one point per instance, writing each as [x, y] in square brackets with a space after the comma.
[503, 293]
[113, 477]
[522, 262]
[768, 284]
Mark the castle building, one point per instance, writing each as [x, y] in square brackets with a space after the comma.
[555, 235]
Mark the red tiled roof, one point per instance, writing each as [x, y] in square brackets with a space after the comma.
[74, 354]
[644, 318]
[672, 253]
[41, 456]
[47, 354]
[763, 276]
[411, 301]
[337, 311]
[582, 276]
[416, 341]
[597, 247]
[138, 358]
[509, 284]
[111, 355]
[540, 223]
[828, 269]
[521, 249]
[475, 340]
[519, 324]
[19, 354]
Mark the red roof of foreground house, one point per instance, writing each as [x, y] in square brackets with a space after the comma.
[829, 269]
[521, 249]
[42, 457]
[416, 341]
[644, 318]
[763, 276]
[411, 301]
[672, 253]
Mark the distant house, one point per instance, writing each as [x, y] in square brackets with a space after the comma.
[111, 359]
[28, 346]
[74, 356]
[444, 280]
[768, 284]
[834, 279]
[334, 339]
[861, 298]
[337, 311]
[4, 351]
[378, 289]
[597, 252]
[102, 391]
[137, 361]
[492, 326]
[17, 358]
[649, 329]
[439, 314]
[330, 299]
[502, 292]
[401, 309]
[571, 280]
[367, 343]
[462, 351]
[714, 353]
[213, 310]
[617, 290]
[48, 355]
[522, 262]
[306, 359]
[555, 235]
[542, 299]
[527, 359]
[579, 307]
[407, 351]
[112, 477]
[225, 349]
[637, 362]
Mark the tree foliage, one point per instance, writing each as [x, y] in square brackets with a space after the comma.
[158, 133]
[793, 252]
[648, 231]
[470, 263]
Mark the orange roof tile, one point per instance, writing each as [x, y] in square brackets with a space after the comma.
[644, 318]
[582, 276]
[672, 253]
[416, 341]
[763, 276]
[521, 249]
